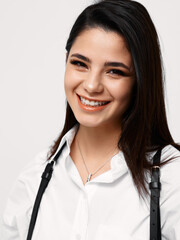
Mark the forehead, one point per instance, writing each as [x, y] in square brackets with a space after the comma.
[100, 44]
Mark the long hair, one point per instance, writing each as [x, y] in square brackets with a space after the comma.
[144, 124]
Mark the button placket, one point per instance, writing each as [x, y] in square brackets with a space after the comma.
[85, 215]
[81, 219]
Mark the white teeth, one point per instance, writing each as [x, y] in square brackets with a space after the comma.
[91, 103]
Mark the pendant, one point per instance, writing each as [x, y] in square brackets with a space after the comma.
[89, 177]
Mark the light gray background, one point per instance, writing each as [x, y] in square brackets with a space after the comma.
[32, 62]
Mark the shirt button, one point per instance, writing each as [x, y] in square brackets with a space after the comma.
[78, 236]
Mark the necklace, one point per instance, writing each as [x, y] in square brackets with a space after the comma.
[90, 174]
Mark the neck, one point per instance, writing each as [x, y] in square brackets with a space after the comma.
[98, 142]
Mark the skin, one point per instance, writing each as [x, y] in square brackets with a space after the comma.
[95, 80]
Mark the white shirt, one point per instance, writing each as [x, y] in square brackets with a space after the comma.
[106, 208]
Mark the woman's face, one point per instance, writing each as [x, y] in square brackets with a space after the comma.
[99, 69]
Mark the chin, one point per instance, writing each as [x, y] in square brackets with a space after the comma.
[91, 123]
[88, 124]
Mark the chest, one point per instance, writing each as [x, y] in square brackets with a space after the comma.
[100, 212]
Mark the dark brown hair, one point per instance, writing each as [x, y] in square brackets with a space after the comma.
[144, 125]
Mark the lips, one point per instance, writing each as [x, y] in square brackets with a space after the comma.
[88, 108]
[90, 99]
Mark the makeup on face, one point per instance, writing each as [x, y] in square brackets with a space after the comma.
[98, 77]
[91, 105]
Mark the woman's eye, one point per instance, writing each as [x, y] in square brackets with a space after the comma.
[117, 72]
[78, 63]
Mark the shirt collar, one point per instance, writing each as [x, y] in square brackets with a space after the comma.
[68, 138]
[118, 169]
[118, 163]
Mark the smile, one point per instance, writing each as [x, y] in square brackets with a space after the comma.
[91, 106]
[92, 103]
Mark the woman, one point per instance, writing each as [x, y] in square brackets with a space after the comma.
[115, 123]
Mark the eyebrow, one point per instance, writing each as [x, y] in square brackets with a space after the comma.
[107, 64]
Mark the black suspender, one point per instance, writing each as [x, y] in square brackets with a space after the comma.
[46, 176]
[155, 186]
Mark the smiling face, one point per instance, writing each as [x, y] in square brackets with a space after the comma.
[99, 69]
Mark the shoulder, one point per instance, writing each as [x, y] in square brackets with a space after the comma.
[35, 166]
[170, 177]
[169, 152]
[29, 178]
[170, 192]
[31, 172]
[170, 170]
[23, 192]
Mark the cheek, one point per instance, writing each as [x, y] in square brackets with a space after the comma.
[122, 91]
[70, 80]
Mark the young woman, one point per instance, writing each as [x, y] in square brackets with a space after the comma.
[115, 123]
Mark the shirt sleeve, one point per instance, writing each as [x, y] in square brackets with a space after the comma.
[170, 197]
[16, 214]
[18, 210]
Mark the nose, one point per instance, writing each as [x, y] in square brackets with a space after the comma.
[93, 83]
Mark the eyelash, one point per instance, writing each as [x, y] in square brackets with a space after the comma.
[78, 63]
[117, 72]
[81, 64]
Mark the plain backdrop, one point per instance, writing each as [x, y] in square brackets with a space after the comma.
[33, 35]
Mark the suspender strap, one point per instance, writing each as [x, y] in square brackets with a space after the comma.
[46, 176]
[155, 186]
